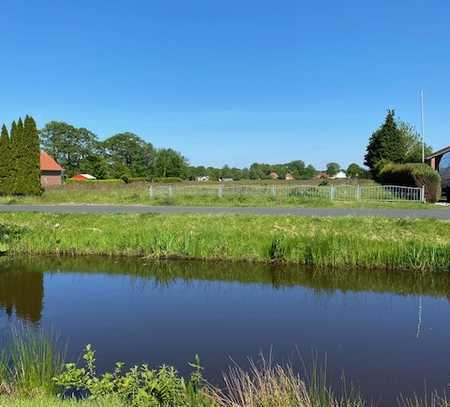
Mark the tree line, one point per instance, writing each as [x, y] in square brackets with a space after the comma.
[19, 158]
[126, 155]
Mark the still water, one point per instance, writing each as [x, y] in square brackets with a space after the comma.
[387, 332]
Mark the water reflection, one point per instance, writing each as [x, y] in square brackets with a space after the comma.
[389, 332]
[21, 293]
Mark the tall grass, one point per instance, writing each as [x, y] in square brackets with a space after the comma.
[271, 385]
[30, 358]
[351, 243]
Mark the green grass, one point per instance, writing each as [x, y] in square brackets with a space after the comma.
[29, 359]
[53, 401]
[345, 242]
[138, 194]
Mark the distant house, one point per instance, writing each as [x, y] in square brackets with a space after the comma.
[83, 177]
[51, 171]
[289, 177]
[273, 175]
[225, 179]
[322, 175]
[340, 175]
[202, 178]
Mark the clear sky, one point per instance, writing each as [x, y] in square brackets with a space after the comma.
[229, 82]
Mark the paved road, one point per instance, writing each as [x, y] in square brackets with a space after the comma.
[443, 213]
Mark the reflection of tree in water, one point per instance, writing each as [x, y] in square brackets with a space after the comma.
[22, 293]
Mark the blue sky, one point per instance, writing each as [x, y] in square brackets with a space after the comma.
[229, 82]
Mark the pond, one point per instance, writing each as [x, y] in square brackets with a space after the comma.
[387, 332]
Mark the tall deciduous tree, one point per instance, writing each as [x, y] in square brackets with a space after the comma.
[333, 169]
[413, 143]
[70, 146]
[127, 150]
[170, 163]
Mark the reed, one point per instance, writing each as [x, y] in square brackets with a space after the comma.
[29, 360]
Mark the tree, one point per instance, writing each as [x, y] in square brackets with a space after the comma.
[355, 171]
[387, 143]
[413, 143]
[130, 151]
[169, 163]
[70, 146]
[31, 176]
[5, 162]
[333, 169]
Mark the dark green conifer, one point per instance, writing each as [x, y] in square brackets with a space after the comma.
[32, 184]
[4, 161]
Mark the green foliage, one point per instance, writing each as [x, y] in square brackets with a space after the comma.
[29, 360]
[355, 171]
[129, 155]
[413, 143]
[387, 143]
[333, 169]
[72, 147]
[413, 175]
[19, 159]
[169, 163]
[139, 386]
[5, 162]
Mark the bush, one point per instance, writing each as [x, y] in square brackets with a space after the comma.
[412, 175]
[139, 386]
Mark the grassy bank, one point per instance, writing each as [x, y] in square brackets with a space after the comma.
[411, 244]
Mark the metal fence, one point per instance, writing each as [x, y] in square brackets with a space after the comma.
[301, 192]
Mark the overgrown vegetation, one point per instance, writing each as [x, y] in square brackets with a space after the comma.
[384, 243]
[413, 175]
[263, 384]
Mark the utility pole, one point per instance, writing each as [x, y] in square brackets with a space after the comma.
[423, 126]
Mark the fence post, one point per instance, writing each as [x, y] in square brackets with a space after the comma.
[170, 192]
[358, 193]
[274, 191]
[332, 192]
[422, 194]
[150, 191]
[220, 191]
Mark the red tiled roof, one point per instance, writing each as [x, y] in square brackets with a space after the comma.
[48, 163]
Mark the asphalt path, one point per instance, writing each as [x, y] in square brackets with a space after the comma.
[442, 213]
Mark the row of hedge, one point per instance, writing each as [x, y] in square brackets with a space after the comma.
[412, 175]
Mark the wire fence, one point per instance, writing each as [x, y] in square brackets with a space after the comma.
[302, 192]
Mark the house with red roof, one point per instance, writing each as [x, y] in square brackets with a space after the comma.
[51, 171]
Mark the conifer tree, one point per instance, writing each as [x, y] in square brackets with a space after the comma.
[20, 150]
[32, 185]
[4, 162]
[12, 162]
[387, 143]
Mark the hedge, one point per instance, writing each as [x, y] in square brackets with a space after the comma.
[413, 175]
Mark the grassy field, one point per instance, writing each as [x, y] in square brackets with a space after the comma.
[371, 243]
[138, 194]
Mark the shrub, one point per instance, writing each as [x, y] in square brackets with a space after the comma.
[139, 386]
[413, 175]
